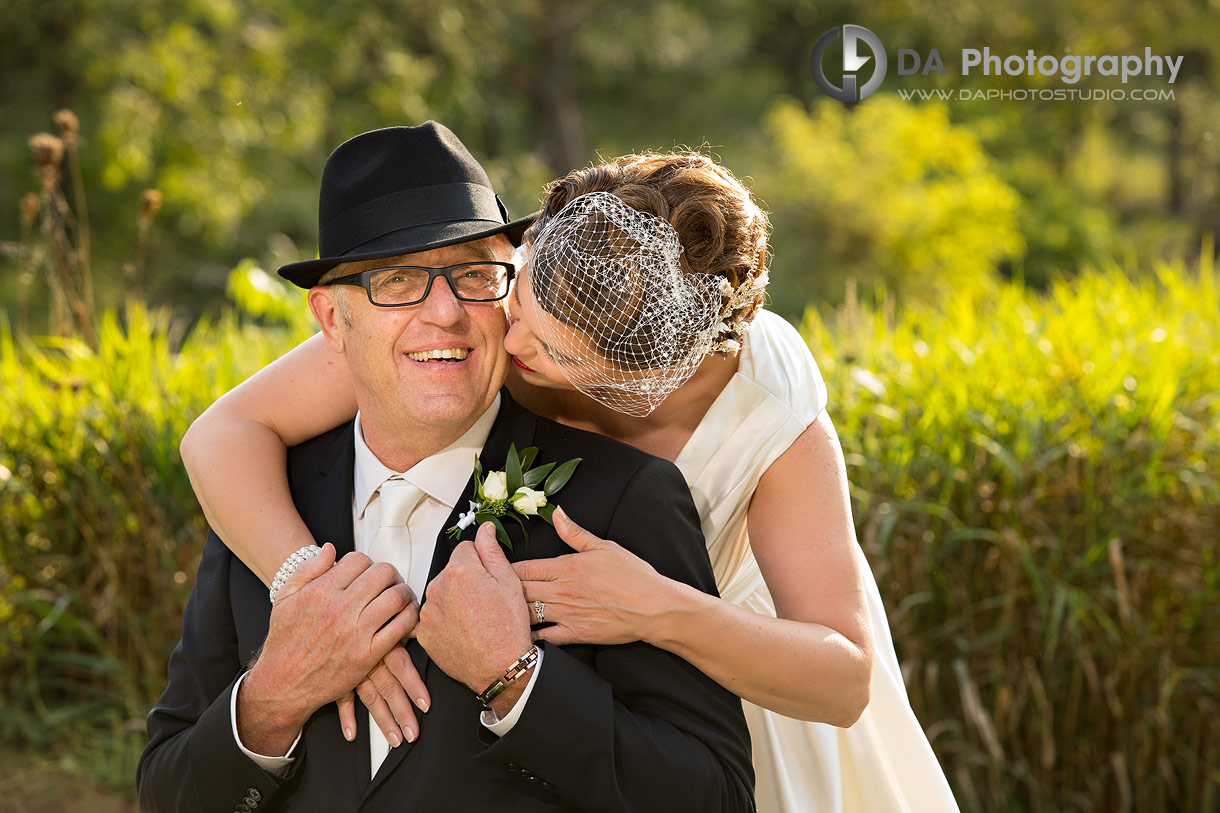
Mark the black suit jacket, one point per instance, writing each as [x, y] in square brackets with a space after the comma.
[621, 728]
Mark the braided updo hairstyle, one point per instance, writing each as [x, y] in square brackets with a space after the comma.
[722, 230]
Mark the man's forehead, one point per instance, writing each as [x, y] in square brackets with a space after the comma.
[496, 247]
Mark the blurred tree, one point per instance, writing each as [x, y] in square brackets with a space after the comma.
[230, 107]
[888, 193]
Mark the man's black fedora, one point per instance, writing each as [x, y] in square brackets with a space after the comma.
[401, 190]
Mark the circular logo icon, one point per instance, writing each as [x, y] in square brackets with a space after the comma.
[852, 35]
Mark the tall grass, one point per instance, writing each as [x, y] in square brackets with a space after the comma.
[1037, 484]
[99, 530]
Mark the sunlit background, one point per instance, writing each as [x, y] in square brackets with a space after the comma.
[1014, 304]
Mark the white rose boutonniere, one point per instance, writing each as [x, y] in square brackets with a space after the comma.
[529, 487]
[528, 501]
[495, 487]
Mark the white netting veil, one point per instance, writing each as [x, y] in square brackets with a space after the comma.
[623, 321]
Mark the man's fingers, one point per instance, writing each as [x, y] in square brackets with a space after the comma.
[378, 578]
[491, 555]
[347, 716]
[464, 553]
[348, 569]
[577, 537]
[392, 601]
[396, 629]
[403, 669]
[380, 711]
[308, 570]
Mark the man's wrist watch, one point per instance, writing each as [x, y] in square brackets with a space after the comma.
[519, 668]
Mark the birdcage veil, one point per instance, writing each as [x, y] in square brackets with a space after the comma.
[626, 325]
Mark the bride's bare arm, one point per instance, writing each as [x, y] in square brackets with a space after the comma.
[813, 662]
[235, 452]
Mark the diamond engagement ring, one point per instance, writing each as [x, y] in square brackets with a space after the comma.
[539, 608]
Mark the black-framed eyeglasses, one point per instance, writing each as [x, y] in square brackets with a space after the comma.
[402, 285]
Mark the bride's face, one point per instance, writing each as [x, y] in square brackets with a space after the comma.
[536, 362]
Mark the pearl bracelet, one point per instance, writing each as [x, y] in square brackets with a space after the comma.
[289, 567]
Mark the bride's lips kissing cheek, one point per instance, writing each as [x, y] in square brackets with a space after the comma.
[523, 366]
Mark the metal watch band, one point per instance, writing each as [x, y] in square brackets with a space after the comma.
[519, 668]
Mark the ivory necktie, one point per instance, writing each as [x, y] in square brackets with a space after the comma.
[392, 543]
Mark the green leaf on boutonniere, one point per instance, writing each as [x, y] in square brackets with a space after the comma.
[478, 479]
[501, 534]
[559, 477]
[512, 470]
[524, 530]
[538, 484]
[535, 476]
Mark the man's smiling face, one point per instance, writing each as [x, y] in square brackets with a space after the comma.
[438, 363]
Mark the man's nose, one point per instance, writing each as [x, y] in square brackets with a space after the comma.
[441, 306]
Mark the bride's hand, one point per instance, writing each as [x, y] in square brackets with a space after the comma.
[602, 594]
[386, 692]
[389, 689]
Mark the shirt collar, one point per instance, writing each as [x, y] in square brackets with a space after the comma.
[442, 476]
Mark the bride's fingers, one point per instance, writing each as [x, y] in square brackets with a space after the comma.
[380, 710]
[546, 570]
[347, 715]
[576, 536]
[558, 635]
[545, 591]
[396, 698]
[403, 669]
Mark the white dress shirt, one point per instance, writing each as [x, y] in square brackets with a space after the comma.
[442, 477]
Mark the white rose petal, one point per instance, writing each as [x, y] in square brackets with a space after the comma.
[495, 487]
[528, 501]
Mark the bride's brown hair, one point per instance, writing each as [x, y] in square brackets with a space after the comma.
[722, 230]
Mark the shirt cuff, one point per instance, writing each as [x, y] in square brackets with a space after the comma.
[500, 727]
[275, 765]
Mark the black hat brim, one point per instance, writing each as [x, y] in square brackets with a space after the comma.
[406, 241]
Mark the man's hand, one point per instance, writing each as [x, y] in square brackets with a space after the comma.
[475, 623]
[389, 689]
[322, 641]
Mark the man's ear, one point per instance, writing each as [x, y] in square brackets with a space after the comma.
[329, 313]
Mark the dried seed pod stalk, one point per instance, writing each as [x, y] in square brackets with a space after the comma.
[68, 125]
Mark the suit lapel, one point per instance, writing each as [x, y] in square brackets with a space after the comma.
[325, 500]
[513, 424]
[323, 496]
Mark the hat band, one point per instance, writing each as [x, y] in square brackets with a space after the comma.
[430, 205]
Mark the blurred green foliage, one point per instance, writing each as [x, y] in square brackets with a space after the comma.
[1034, 482]
[1033, 475]
[892, 193]
[1034, 490]
[230, 108]
[99, 529]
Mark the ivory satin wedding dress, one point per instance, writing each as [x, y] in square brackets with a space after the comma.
[882, 763]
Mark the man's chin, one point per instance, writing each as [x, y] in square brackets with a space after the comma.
[440, 407]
